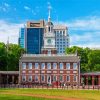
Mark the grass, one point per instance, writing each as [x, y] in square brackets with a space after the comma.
[14, 97]
[81, 94]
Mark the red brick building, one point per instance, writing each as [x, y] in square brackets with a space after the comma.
[50, 69]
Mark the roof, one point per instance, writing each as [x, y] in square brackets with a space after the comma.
[49, 58]
[9, 72]
[91, 73]
[60, 27]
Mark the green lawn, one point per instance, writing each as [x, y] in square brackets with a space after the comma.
[14, 97]
[81, 94]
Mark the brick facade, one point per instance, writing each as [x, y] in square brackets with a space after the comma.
[50, 72]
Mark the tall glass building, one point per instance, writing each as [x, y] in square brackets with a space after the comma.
[31, 37]
[34, 40]
[22, 37]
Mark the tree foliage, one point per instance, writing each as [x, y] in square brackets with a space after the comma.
[89, 58]
[9, 56]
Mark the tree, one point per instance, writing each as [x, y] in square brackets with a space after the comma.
[10, 57]
[94, 60]
[3, 59]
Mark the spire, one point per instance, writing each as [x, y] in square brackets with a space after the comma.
[49, 18]
[7, 43]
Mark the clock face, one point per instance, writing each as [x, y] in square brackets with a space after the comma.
[49, 41]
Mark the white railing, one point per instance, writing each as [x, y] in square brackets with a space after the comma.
[40, 55]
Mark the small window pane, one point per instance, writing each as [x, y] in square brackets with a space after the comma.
[23, 65]
[48, 65]
[74, 65]
[61, 65]
[61, 78]
[67, 65]
[36, 78]
[43, 66]
[43, 78]
[54, 78]
[68, 78]
[23, 78]
[30, 65]
[75, 78]
[36, 65]
[29, 78]
[54, 65]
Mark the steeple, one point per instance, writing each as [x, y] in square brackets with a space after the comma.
[49, 18]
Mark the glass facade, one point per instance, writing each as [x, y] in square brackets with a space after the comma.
[22, 37]
[61, 40]
[34, 40]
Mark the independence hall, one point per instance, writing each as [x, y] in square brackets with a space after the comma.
[49, 67]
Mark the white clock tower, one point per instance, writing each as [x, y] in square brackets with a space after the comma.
[49, 38]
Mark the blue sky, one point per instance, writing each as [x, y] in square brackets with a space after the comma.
[82, 18]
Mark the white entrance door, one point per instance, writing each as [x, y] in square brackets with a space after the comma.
[48, 79]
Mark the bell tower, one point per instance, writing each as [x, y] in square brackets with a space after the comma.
[49, 38]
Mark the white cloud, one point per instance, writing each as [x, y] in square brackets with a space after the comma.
[6, 5]
[88, 23]
[27, 8]
[85, 31]
[10, 30]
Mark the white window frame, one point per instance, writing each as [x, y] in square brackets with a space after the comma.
[30, 77]
[48, 66]
[62, 78]
[75, 76]
[62, 66]
[23, 77]
[44, 78]
[54, 65]
[69, 78]
[36, 65]
[68, 66]
[49, 52]
[55, 77]
[37, 78]
[74, 66]
[29, 65]
[42, 65]
[23, 65]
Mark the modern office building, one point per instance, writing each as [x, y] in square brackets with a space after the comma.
[61, 38]
[31, 37]
[22, 37]
[49, 67]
